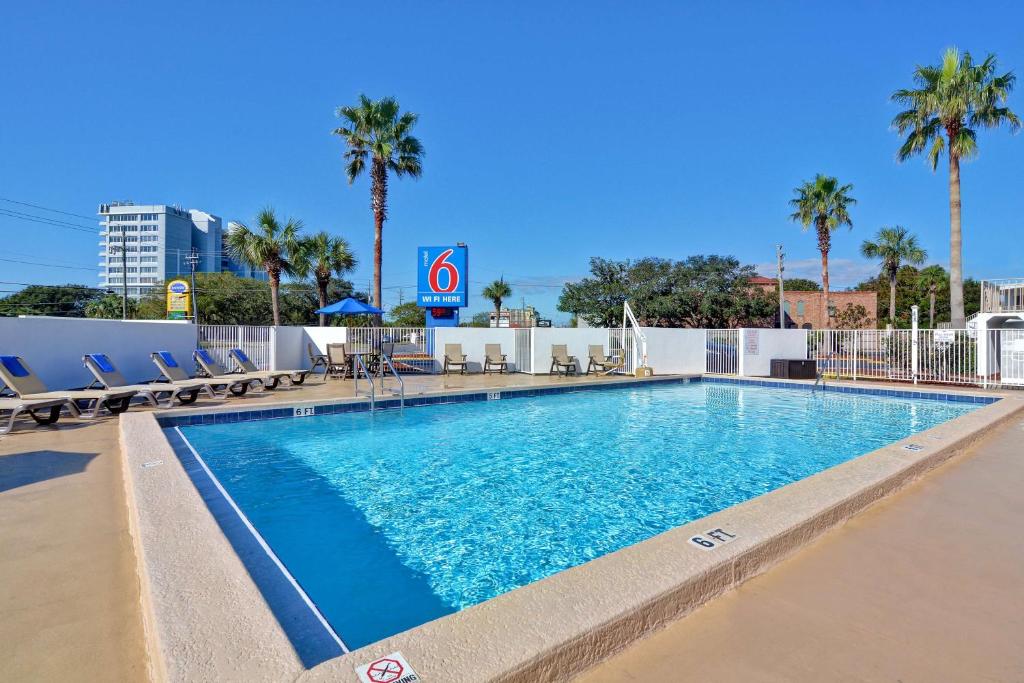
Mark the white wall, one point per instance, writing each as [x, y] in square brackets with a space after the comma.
[576, 339]
[473, 340]
[676, 351]
[758, 347]
[53, 347]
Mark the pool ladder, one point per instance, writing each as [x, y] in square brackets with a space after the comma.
[385, 363]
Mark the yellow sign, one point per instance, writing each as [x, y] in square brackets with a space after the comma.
[178, 300]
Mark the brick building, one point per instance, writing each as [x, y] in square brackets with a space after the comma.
[806, 309]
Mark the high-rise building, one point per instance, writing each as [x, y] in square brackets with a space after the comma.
[156, 240]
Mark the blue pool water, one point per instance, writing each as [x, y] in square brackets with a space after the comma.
[392, 519]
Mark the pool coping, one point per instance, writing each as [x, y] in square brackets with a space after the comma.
[549, 630]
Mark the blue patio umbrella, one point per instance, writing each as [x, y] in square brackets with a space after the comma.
[350, 306]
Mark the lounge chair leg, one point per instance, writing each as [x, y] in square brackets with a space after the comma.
[48, 419]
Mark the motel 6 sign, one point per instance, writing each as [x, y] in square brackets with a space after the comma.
[443, 277]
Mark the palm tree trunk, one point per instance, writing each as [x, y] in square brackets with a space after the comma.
[275, 284]
[892, 298]
[824, 244]
[321, 289]
[956, 276]
[380, 213]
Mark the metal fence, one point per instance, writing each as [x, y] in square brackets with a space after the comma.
[257, 342]
[722, 352]
[943, 356]
[524, 349]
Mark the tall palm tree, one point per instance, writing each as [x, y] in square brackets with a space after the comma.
[931, 280]
[269, 246]
[496, 292]
[377, 131]
[893, 246]
[322, 256]
[825, 204]
[953, 99]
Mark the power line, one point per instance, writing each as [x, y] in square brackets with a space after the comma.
[46, 208]
[18, 215]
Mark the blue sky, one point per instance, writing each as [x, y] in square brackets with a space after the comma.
[554, 131]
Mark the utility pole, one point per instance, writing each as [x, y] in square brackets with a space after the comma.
[779, 255]
[193, 260]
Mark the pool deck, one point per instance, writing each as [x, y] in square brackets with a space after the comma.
[948, 600]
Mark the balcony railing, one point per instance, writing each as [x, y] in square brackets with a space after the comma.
[1005, 295]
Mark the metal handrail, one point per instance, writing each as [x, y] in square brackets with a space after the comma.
[627, 314]
[385, 360]
[358, 361]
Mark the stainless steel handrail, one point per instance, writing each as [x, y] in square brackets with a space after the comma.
[358, 358]
[385, 360]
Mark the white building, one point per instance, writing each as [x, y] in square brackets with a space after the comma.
[157, 241]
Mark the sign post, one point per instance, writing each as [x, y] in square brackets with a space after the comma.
[178, 298]
[442, 283]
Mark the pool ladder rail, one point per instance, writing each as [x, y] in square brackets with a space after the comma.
[385, 363]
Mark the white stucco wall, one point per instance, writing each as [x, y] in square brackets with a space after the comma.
[54, 347]
[473, 340]
[676, 351]
[755, 359]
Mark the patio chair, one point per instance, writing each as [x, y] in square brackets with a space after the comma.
[245, 365]
[26, 385]
[214, 370]
[316, 359]
[494, 358]
[172, 373]
[454, 358]
[107, 376]
[598, 361]
[561, 362]
[17, 406]
[339, 363]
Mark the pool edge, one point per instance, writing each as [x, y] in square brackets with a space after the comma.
[526, 635]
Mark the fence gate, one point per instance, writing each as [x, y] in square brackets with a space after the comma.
[524, 350]
[257, 342]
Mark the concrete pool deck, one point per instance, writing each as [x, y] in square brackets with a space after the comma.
[35, 509]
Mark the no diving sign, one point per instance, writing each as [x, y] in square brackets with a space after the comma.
[388, 669]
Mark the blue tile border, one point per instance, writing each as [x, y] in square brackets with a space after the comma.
[870, 391]
[532, 392]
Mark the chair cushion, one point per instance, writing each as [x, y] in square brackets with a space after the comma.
[14, 366]
[167, 358]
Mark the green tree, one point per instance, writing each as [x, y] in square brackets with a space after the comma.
[701, 291]
[497, 291]
[893, 246]
[271, 246]
[323, 256]
[69, 301]
[825, 204]
[932, 281]
[944, 110]
[800, 284]
[377, 131]
[408, 314]
[111, 307]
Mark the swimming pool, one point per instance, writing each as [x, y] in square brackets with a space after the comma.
[391, 519]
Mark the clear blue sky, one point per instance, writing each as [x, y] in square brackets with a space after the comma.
[554, 131]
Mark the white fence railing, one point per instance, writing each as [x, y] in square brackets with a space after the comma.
[524, 349]
[256, 341]
[722, 351]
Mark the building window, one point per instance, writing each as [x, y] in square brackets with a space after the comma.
[800, 308]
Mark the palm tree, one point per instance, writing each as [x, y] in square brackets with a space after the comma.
[931, 279]
[378, 131]
[825, 204]
[270, 246]
[322, 256]
[496, 291]
[893, 246]
[954, 98]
